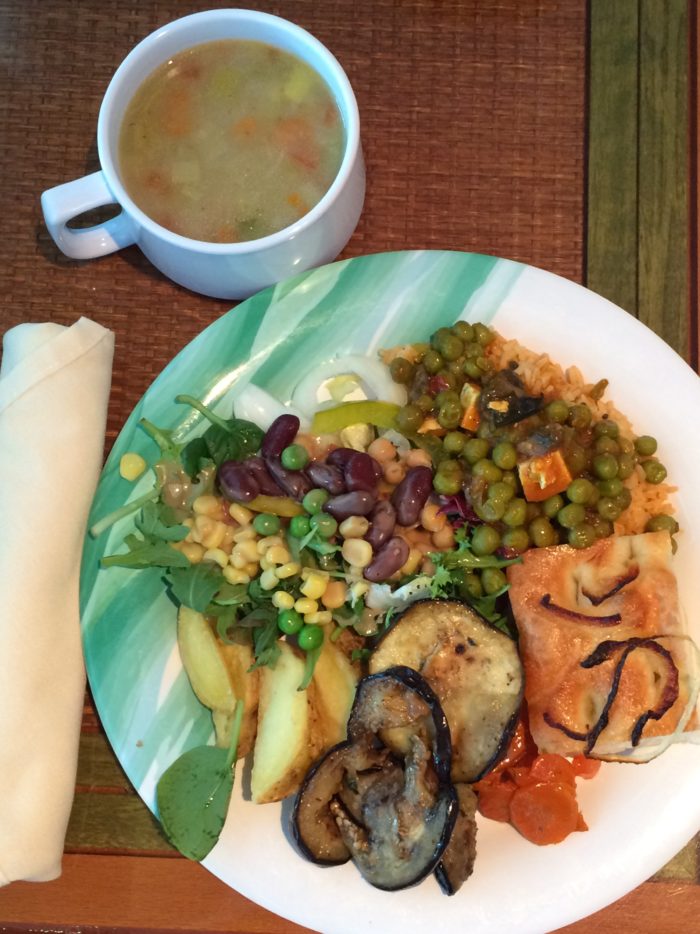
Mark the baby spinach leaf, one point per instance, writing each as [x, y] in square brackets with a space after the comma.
[194, 456]
[195, 585]
[193, 794]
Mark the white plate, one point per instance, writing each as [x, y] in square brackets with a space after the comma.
[639, 816]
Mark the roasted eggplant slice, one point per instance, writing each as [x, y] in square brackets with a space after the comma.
[384, 797]
[457, 862]
[474, 669]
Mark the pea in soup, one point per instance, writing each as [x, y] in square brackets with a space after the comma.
[230, 141]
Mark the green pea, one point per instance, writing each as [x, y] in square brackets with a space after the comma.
[542, 532]
[482, 334]
[580, 490]
[654, 471]
[433, 362]
[501, 492]
[625, 466]
[475, 449]
[471, 369]
[310, 637]
[484, 364]
[450, 467]
[515, 513]
[534, 510]
[314, 501]
[504, 455]
[289, 622]
[447, 397]
[493, 580]
[645, 445]
[299, 526]
[471, 587]
[557, 411]
[606, 429]
[581, 536]
[451, 347]
[576, 459]
[447, 485]
[266, 524]
[662, 522]
[605, 466]
[448, 379]
[552, 505]
[295, 457]
[579, 416]
[450, 415]
[626, 446]
[485, 540]
[438, 335]
[571, 516]
[464, 331]
[511, 478]
[453, 442]
[473, 350]
[608, 508]
[623, 498]
[325, 524]
[490, 510]
[603, 528]
[409, 418]
[401, 370]
[606, 445]
[425, 403]
[517, 539]
[487, 470]
[610, 487]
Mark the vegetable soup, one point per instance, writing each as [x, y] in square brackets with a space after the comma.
[230, 141]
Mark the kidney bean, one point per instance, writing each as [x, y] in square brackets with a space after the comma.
[294, 483]
[279, 435]
[359, 472]
[256, 466]
[338, 457]
[357, 503]
[326, 476]
[382, 521]
[236, 482]
[392, 556]
[411, 494]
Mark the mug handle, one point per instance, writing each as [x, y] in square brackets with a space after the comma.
[64, 202]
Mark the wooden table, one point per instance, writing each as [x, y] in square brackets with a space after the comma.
[556, 132]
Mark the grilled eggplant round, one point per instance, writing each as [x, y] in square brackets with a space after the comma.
[473, 668]
[384, 797]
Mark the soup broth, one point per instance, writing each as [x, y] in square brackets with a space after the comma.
[230, 141]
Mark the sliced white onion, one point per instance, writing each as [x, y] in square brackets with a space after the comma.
[258, 406]
[381, 597]
[402, 444]
[374, 382]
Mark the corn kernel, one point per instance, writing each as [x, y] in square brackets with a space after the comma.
[288, 570]
[354, 527]
[357, 552]
[266, 564]
[207, 505]
[218, 555]
[245, 534]
[252, 569]
[431, 518]
[305, 605]
[242, 515]
[235, 575]
[227, 540]
[243, 553]
[193, 551]
[278, 554]
[208, 531]
[268, 580]
[131, 466]
[320, 618]
[282, 600]
[269, 541]
[314, 586]
[334, 595]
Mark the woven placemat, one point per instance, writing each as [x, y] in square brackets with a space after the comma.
[472, 122]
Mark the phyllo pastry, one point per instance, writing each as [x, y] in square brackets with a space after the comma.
[610, 671]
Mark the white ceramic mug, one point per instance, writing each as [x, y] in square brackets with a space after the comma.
[221, 270]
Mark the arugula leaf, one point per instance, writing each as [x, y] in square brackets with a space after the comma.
[232, 594]
[193, 794]
[195, 585]
[145, 553]
[309, 665]
[157, 521]
[265, 635]
[169, 448]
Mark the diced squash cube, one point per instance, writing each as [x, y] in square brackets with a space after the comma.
[544, 476]
[469, 398]
[431, 426]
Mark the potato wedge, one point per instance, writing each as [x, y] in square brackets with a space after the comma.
[203, 662]
[335, 680]
[290, 732]
[246, 687]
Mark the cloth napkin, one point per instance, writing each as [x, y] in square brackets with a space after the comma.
[54, 387]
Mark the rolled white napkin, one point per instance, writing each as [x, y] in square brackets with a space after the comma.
[54, 387]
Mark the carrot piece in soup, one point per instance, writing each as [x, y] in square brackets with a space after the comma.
[545, 812]
[177, 112]
[297, 202]
[296, 136]
[585, 767]
[550, 767]
[246, 127]
[494, 798]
